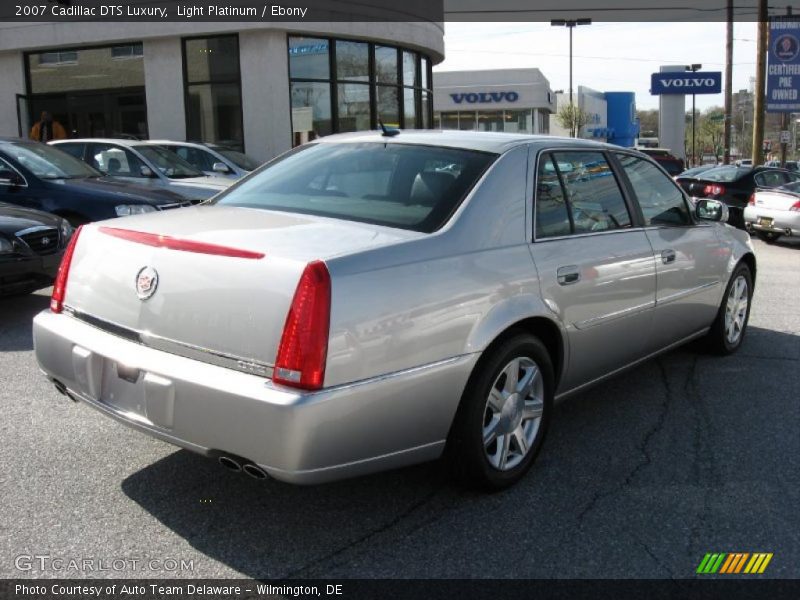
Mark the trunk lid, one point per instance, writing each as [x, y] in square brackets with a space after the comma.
[775, 199]
[204, 302]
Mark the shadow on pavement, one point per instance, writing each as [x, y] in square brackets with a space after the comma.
[16, 318]
[647, 455]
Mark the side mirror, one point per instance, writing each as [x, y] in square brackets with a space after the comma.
[220, 167]
[711, 210]
[145, 171]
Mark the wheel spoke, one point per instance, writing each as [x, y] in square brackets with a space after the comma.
[533, 410]
[528, 379]
[503, 443]
[512, 377]
[490, 432]
[519, 438]
[496, 400]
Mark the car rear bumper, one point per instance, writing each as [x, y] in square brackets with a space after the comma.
[385, 422]
[784, 222]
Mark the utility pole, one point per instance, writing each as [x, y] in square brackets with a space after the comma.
[570, 24]
[728, 85]
[758, 98]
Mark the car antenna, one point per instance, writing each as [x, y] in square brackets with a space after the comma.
[388, 131]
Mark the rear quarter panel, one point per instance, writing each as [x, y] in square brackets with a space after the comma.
[445, 295]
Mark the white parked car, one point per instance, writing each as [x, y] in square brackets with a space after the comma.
[215, 160]
[774, 212]
[144, 164]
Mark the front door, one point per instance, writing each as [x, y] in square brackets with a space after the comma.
[688, 255]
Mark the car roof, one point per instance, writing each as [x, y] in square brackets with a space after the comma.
[480, 141]
[117, 141]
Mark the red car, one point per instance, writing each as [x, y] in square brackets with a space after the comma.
[671, 163]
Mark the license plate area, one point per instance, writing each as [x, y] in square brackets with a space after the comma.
[765, 221]
[122, 388]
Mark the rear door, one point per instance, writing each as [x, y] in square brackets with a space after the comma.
[595, 264]
[689, 258]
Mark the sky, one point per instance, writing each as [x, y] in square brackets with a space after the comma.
[606, 56]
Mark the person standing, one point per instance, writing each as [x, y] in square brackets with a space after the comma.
[47, 129]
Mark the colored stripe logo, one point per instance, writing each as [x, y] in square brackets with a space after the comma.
[727, 563]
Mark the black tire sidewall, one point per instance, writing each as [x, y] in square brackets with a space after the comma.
[466, 443]
[721, 342]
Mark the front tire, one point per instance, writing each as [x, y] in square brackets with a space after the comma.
[502, 420]
[730, 325]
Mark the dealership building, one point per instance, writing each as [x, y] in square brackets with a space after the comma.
[510, 100]
[262, 86]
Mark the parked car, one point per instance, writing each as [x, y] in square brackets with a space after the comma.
[774, 212]
[144, 164]
[694, 172]
[664, 157]
[43, 177]
[31, 246]
[351, 308]
[791, 165]
[734, 186]
[213, 160]
[744, 162]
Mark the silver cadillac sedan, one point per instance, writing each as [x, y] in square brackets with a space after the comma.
[369, 301]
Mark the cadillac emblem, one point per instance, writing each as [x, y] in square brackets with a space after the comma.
[146, 282]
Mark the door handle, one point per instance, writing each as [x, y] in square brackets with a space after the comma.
[667, 256]
[568, 275]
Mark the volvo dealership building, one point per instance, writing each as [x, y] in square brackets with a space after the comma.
[258, 86]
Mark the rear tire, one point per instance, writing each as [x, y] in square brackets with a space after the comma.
[730, 324]
[768, 236]
[503, 416]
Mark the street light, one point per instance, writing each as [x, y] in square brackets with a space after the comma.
[693, 68]
[570, 24]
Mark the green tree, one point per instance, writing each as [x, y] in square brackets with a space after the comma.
[573, 118]
[648, 122]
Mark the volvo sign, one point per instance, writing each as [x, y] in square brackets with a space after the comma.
[485, 97]
[679, 82]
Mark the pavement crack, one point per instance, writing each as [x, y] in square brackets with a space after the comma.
[397, 520]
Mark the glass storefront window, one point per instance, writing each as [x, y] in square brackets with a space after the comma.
[362, 82]
[490, 120]
[518, 121]
[214, 113]
[213, 90]
[385, 64]
[409, 68]
[410, 108]
[353, 105]
[212, 59]
[449, 120]
[81, 70]
[308, 58]
[466, 121]
[352, 61]
[389, 106]
[311, 109]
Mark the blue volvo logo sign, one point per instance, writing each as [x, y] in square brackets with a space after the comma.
[679, 82]
[484, 97]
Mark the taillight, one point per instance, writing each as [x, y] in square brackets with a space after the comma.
[303, 350]
[795, 207]
[714, 190]
[752, 201]
[60, 285]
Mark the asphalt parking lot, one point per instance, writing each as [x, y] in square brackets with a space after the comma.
[639, 477]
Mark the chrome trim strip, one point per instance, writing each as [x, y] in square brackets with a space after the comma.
[614, 315]
[685, 293]
[157, 342]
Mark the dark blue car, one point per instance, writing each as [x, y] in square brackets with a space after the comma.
[35, 175]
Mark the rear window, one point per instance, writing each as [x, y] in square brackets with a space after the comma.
[725, 173]
[396, 185]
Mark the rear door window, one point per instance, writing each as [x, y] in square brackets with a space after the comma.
[770, 178]
[661, 201]
[75, 150]
[552, 211]
[116, 161]
[595, 199]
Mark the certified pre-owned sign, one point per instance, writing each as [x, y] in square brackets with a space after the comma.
[680, 82]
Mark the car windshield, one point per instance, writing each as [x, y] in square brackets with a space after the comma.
[726, 173]
[240, 160]
[47, 162]
[395, 185]
[169, 163]
[792, 187]
[694, 171]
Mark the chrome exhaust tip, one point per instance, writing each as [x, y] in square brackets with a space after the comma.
[230, 463]
[254, 471]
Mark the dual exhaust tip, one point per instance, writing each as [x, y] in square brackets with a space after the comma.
[239, 465]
